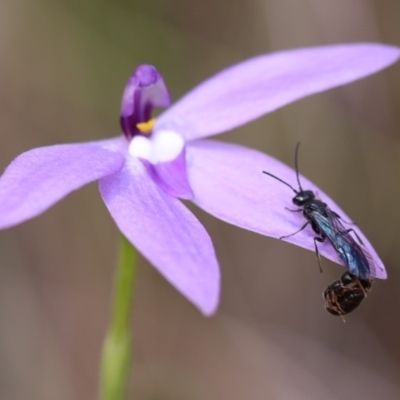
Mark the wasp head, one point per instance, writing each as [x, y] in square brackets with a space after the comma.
[303, 197]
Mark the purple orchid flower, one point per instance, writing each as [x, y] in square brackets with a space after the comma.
[143, 172]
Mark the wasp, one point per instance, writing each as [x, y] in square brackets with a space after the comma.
[328, 225]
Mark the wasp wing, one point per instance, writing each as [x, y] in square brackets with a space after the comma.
[357, 259]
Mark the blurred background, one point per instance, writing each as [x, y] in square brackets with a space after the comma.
[63, 68]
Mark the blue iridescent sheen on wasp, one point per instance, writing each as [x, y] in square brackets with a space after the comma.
[328, 225]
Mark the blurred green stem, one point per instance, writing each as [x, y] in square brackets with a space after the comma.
[116, 359]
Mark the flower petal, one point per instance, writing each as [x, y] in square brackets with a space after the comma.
[171, 176]
[37, 179]
[165, 232]
[144, 91]
[262, 84]
[227, 181]
[163, 154]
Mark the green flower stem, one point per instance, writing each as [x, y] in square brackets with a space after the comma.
[116, 359]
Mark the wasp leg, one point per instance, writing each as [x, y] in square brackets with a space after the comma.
[294, 233]
[361, 287]
[298, 210]
[321, 240]
[364, 289]
[346, 222]
[355, 233]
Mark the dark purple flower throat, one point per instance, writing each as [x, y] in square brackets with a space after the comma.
[144, 91]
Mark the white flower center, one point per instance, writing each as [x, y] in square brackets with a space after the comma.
[162, 146]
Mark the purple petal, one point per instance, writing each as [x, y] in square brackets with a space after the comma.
[232, 187]
[171, 176]
[262, 84]
[37, 179]
[165, 232]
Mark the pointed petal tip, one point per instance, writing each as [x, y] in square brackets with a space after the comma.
[40, 177]
[392, 51]
[262, 84]
[231, 187]
[208, 310]
[167, 234]
[378, 270]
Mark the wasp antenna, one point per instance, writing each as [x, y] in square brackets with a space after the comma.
[297, 166]
[280, 180]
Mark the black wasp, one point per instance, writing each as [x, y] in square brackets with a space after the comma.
[328, 225]
[346, 294]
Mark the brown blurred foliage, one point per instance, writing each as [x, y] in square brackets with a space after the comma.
[63, 67]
